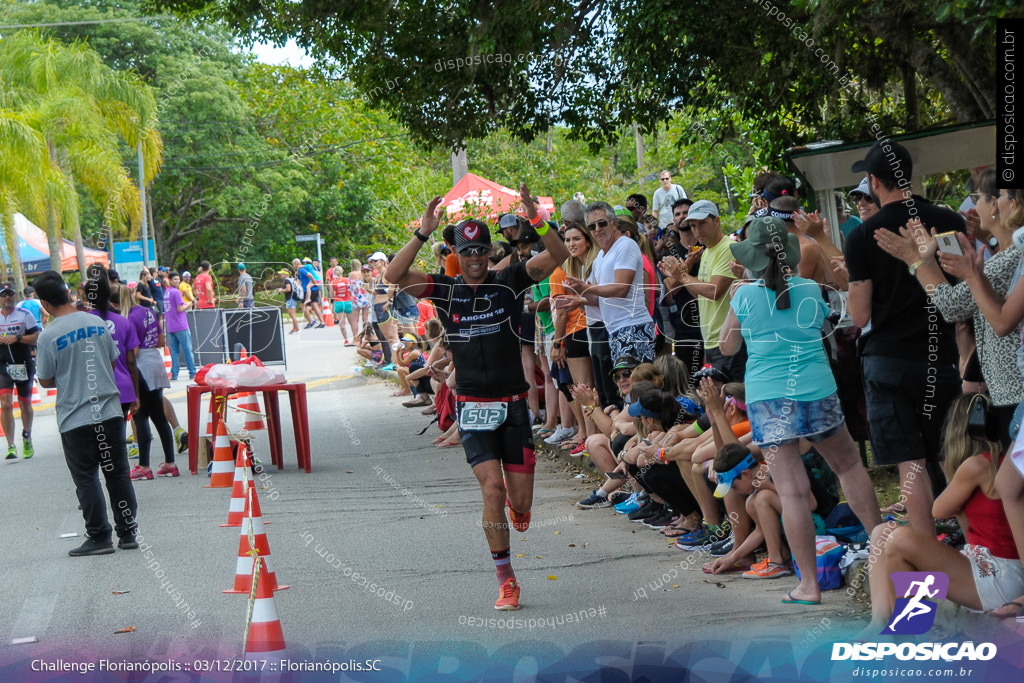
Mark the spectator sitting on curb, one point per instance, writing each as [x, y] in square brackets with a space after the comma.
[410, 357]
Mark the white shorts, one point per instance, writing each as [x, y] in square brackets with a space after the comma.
[997, 579]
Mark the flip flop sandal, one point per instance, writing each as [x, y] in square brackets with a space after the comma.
[543, 433]
[675, 532]
[790, 600]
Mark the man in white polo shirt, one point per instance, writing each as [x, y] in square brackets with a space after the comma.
[616, 285]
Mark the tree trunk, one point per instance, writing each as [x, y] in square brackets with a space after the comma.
[76, 232]
[11, 241]
[53, 238]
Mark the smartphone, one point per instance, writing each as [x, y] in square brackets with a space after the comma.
[615, 475]
[948, 243]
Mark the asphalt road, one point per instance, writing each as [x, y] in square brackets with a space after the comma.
[383, 504]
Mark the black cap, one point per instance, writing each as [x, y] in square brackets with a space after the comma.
[625, 363]
[7, 287]
[714, 373]
[471, 233]
[886, 159]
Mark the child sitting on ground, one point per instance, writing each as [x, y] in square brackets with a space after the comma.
[748, 482]
[370, 346]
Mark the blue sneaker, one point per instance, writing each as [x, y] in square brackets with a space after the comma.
[630, 504]
[389, 367]
[698, 539]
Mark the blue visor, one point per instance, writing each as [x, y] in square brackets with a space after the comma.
[637, 410]
[726, 478]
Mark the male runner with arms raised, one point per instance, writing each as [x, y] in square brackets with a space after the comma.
[480, 310]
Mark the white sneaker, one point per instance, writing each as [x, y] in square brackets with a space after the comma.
[561, 434]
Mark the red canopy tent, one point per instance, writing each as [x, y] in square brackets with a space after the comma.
[476, 197]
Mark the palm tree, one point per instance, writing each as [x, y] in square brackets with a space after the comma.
[84, 109]
[23, 161]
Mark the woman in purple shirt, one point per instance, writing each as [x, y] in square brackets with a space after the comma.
[96, 293]
[152, 382]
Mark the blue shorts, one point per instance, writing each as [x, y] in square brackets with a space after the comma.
[779, 421]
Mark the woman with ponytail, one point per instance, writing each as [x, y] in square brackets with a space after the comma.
[96, 295]
[790, 390]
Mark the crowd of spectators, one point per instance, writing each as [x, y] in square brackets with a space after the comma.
[716, 384]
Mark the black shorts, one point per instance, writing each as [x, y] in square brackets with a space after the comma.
[25, 387]
[577, 345]
[314, 295]
[511, 443]
[528, 329]
[907, 403]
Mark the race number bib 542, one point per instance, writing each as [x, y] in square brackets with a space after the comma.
[483, 416]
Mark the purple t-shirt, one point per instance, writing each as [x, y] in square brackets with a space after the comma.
[147, 326]
[175, 320]
[123, 334]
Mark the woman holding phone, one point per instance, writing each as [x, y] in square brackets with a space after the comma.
[1005, 315]
[997, 354]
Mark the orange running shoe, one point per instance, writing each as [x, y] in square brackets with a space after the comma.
[520, 520]
[508, 598]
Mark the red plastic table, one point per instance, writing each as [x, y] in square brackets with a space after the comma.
[300, 419]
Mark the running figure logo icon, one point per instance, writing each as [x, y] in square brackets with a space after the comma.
[914, 613]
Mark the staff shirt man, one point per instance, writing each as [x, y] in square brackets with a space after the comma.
[480, 310]
[19, 331]
[77, 352]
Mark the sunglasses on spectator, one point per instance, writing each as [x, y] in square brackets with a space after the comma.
[667, 178]
[603, 223]
[475, 251]
[623, 374]
[6, 292]
[858, 197]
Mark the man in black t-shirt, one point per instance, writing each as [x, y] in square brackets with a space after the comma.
[909, 355]
[480, 310]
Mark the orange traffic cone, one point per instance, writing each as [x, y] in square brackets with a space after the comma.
[36, 397]
[328, 318]
[51, 392]
[252, 521]
[223, 471]
[263, 632]
[236, 509]
[253, 419]
[244, 354]
[167, 361]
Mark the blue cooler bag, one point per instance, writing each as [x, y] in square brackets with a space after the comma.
[829, 552]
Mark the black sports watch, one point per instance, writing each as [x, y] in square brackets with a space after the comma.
[18, 339]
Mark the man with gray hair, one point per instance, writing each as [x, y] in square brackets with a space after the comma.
[572, 212]
[616, 287]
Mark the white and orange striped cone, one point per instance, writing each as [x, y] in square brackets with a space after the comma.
[167, 361]
[207, 428]
[253, 418]
[222, 474]
[328, 318]
[252, 523]
[236, 509]
[263, 633]
[51, 392]
[36, 397]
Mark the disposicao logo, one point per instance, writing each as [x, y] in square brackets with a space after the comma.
[914, 613]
